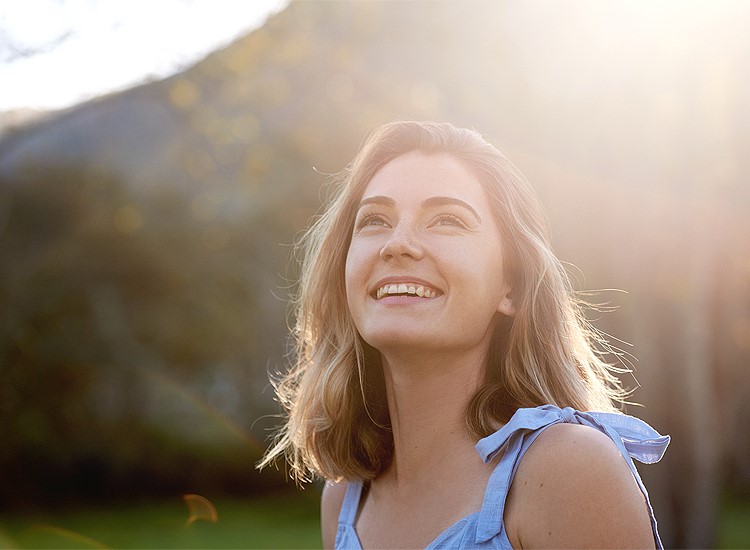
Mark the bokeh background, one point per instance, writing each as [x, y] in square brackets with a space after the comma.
[146, 243]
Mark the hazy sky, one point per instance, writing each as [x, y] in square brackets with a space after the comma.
[54, 53]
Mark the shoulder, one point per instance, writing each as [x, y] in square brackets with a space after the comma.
[330, 507]
[574, 488]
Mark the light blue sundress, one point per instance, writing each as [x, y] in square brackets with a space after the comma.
[484, 529]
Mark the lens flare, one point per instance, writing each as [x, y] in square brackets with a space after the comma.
[199, 508]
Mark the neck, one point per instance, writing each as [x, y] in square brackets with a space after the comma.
[427, 400]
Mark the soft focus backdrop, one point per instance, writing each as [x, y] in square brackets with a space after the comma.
[145, 238]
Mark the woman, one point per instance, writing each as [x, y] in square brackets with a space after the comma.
[442, 362]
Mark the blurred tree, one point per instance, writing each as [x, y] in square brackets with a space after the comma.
[101, 294]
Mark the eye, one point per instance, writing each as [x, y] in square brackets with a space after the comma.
[371, 219]
[449, 219]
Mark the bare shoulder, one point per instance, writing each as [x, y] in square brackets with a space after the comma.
[573, 488]
[330, 506]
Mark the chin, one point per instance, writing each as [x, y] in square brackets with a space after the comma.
[393, 338]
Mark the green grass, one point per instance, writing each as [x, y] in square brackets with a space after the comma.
[734, 523]
[290, 521]
[285, 521]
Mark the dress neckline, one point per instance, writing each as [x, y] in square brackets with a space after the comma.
[358, 487]
[634, 438]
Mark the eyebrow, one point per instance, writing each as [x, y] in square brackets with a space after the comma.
[427, 203]
[377, 199]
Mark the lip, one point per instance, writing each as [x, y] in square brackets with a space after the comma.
[394, 280]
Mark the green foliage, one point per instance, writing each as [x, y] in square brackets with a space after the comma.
[112, 305]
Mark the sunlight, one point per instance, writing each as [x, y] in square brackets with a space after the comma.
[54, 54]
[636, 42]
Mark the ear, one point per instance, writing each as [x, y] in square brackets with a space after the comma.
[506, 305]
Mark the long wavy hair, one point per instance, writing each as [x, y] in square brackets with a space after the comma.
[336, 422]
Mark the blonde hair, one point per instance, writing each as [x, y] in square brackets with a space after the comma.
[337, 424]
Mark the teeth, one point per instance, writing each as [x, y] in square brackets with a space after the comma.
[403, 288]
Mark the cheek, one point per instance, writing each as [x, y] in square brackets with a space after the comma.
[358, 259]
[484, 266]
[349, 273]
[353, 272]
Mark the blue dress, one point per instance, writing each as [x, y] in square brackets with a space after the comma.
[484, 529]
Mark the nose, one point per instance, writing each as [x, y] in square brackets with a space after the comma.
[402, 243]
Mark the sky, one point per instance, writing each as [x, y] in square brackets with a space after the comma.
[56, 53]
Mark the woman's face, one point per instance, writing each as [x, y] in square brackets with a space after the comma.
[424, 268]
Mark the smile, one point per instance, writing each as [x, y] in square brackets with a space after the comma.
[404, 289]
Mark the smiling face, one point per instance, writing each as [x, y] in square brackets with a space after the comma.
[424, 268]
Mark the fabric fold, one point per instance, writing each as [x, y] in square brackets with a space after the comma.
[633, 437]
[641, 441]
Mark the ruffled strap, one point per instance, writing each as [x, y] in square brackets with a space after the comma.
[633, 437]
[640, 440]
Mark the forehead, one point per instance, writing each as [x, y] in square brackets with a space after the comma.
[418, 175]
